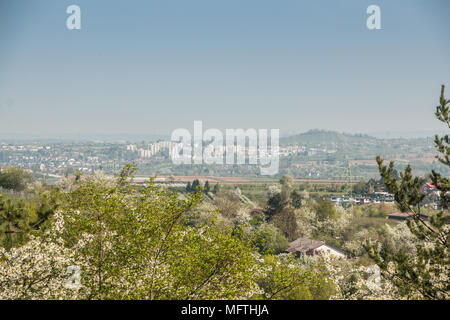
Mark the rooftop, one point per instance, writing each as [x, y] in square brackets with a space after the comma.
[304, 245]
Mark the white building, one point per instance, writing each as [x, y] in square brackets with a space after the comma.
[312, 247]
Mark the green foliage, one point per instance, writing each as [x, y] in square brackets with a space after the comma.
[296, 199]
[216, 188]
[286, 182]
[14, 221]
[195, 185]
[44, 203]
[275, 205]
[286, 221]
[424, 274]
[406, 189]
[228, 203]
[19, 217]
[207, 187]
[270, 240]
[140, 243]
[365, 187]
[286, 280]
[140, 248]
[325, 209]
[14, 178]
[77, 176]
[374, 210]
[360, 187]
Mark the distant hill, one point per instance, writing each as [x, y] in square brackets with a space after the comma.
[323, 137]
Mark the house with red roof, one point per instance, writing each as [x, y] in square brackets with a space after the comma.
[428, 188]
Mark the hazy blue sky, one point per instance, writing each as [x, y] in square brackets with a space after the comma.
[153, 66]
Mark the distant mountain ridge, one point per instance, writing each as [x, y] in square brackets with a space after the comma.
[325, 137]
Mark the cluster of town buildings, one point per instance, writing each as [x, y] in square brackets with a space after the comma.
[174, 148]
[427, 188]
[55, 158]
[152, 149]
[376, 197]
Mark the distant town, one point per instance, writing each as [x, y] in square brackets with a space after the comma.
[315, 155]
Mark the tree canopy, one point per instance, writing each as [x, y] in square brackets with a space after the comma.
[13, 178]
[425, 274]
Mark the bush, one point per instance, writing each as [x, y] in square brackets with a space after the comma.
[286, 221]
[325, 209]
[271, 239]
[14, 178]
